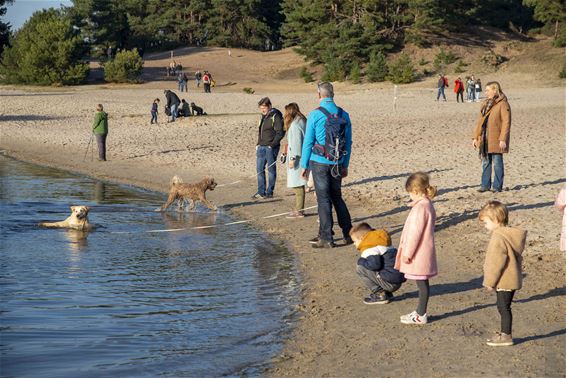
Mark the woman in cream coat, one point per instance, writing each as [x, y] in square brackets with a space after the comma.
[295, 124]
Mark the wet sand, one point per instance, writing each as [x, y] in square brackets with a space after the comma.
[337, 335]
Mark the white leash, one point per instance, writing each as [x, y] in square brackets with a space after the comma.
[248, 177]
[209, 226]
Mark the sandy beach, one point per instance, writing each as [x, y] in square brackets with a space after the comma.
[336, 334]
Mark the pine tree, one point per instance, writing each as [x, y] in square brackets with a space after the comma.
[550, 12]
[377, 69]
[46, 50]
[4, 26]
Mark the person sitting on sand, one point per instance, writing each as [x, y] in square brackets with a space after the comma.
[185, 108]
[376, 265]
[100, 130]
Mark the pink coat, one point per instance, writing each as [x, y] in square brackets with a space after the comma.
[561, 205]
[417, 241]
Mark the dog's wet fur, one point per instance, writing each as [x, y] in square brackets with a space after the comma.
[78, 220]
[190, 193]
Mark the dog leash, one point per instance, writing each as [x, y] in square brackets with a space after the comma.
[209, 226]
[245, 178]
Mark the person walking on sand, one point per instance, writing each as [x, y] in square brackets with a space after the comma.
[561, 206]
[491, 136]
[478, 89]
[154, 111]
[326, 152]
[295, 125]
[198, 78]
[440, 85]
[269, 138]
[206, 81]
[182, 81]
[502, 269]
[471, 89]
[417, 253]
[459, 89]
[100, 130]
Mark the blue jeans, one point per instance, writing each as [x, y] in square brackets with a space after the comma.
[440, 92]
[497, 160]
[329, 193]
[153, 117]
[266, 156]
[174, 109]
[182, 85]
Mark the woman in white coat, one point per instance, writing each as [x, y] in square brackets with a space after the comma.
[295, 125]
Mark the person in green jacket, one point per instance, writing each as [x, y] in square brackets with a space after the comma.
[100, 130]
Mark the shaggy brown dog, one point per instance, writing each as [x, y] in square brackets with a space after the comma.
[78, 220]
[190, 192]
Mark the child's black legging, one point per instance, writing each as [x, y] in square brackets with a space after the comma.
[504, 299]
[423, 296]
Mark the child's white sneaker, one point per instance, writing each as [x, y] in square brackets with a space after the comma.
[414, 318]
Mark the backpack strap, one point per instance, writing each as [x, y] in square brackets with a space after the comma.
[324, 111]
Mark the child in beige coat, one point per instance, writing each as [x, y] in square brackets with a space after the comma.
[502, 267]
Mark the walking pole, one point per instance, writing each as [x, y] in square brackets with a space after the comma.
[87, 147]
[92, 150]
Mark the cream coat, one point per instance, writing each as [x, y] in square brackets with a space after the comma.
[561, 206]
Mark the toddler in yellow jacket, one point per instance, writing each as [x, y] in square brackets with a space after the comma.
[502, 268]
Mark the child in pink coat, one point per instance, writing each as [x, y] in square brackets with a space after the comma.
[417, 255]
[561, 205]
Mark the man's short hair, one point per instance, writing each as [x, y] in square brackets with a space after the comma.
[264, 102]
[326, 89]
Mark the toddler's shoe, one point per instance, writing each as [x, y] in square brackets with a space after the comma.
[414, 318]
[376, 298]
[500, 339]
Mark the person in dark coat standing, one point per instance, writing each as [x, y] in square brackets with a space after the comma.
[269, 138]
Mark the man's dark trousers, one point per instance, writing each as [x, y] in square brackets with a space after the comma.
[101, 141]
[266, 156]
[329, 193]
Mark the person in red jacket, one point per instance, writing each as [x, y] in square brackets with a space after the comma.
[459, 89]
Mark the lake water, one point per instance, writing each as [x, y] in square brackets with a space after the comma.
[208, 302]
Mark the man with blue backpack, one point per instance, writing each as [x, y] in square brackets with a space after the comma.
[326, 152]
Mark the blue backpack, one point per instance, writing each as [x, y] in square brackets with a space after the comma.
[335, 136]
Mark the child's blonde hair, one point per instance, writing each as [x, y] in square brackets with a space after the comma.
[99, 107]
[419, 182]
[360, 230]
[496, 211]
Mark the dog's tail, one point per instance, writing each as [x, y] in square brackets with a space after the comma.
[176, 180]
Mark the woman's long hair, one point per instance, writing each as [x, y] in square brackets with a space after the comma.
[291, 112]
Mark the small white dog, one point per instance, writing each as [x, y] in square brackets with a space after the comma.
[77, 221]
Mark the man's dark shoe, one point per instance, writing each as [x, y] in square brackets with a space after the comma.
[268, 196]
[376, 298]
[323, 244]
[482, 190]
[348, 240]
[496, 190]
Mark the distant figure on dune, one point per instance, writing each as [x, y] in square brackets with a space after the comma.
[441, 84]
[478, 89]
[100, 130]
[471, 89]
[182, 81]
[198, 78]
[491, 136]
[459, 89]
[207, 81]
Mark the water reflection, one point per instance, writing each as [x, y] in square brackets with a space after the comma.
[201, 302]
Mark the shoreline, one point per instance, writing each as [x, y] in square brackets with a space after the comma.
[336, 334]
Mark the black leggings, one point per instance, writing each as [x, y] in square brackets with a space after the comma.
[423, 287]
[504, 299]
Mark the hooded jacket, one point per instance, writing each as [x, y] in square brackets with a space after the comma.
[379, 256]
[502, 267]
[100, 124]
[271, 129]
[172, 99]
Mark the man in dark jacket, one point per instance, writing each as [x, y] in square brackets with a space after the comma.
[173, 102]
[268, 142]
[440, 85]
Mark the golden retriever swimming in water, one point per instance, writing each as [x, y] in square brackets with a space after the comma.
[77, 221]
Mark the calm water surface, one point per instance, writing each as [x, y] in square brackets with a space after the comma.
[193, 303]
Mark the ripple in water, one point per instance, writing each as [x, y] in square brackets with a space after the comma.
[205, 302]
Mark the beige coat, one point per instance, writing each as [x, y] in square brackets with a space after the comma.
[502, 267]
[498, 125]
